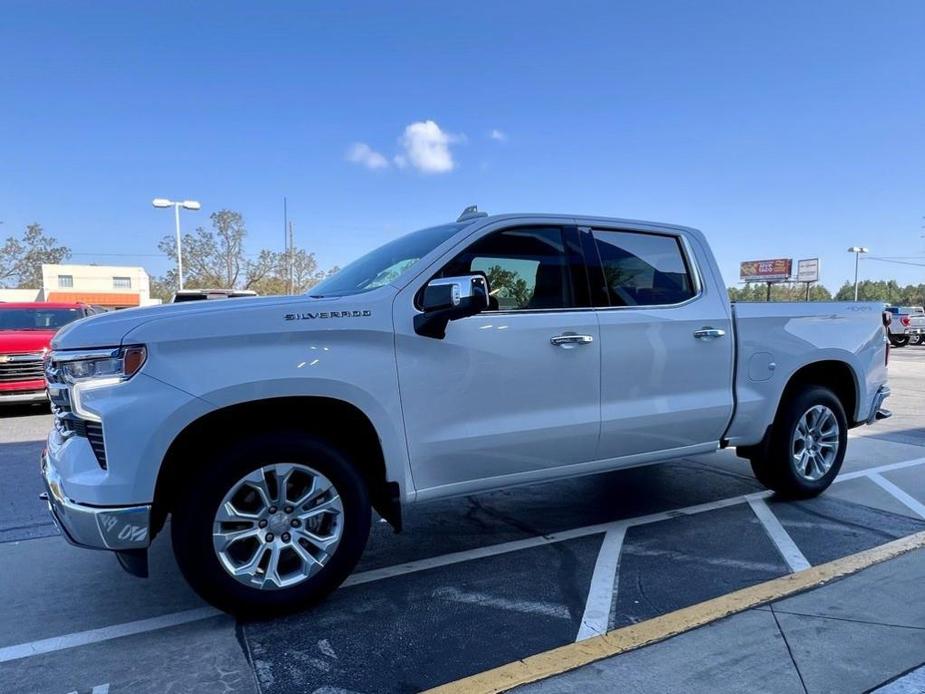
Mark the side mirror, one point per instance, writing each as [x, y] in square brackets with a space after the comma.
[450, 298]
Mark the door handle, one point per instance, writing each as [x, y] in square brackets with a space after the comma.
[569, 339]
[708, 333]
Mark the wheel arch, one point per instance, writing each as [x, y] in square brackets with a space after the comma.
[340, 422]
[836, 375]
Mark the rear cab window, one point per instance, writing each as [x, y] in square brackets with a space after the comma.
[639, 269]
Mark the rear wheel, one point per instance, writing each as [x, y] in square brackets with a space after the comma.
[807, 445]
[272, 524]
[899, 340]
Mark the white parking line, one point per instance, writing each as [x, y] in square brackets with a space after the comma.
[910, 683]
[907, 500]
[82, 638]
[782, 541]
[845, 476]
[596, 619]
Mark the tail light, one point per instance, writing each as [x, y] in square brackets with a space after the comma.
[905, 321]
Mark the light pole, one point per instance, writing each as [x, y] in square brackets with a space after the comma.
[857, 250]
[186, 205]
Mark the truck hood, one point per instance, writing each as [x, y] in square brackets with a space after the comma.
[110, 329]
[24, 340]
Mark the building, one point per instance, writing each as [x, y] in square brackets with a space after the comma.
[101, 285]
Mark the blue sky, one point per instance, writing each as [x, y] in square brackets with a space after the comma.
[781, 129]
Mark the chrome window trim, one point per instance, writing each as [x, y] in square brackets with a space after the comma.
[687, 255]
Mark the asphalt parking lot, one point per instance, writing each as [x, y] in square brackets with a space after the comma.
[471, 584]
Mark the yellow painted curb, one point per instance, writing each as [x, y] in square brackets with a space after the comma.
[574, 655]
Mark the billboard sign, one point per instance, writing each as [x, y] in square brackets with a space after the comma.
[808, 270]
[776, 269]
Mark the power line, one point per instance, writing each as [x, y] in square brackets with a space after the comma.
[895, 262]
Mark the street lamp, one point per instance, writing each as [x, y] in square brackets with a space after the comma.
[186, 205]
[857, 250]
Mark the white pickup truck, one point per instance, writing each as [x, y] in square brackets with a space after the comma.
[486, 353]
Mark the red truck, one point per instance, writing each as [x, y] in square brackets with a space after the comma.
[26, 330]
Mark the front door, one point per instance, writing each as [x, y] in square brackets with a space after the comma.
[498, 398]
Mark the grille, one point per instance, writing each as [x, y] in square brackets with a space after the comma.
[94, 434]
[20, 367]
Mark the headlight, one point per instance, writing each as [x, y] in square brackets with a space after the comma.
[103, 365]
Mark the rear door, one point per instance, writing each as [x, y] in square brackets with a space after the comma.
[666, 343]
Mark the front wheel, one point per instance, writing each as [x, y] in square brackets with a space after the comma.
[899, 340]
[271, 524]
[807, 445]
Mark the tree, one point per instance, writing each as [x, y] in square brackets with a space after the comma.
[216, 258]
[783, 291]
[211, 257]
[508, 285]
[21, 260]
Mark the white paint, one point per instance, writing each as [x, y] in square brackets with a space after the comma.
[845, 476]
[785, 545]
[82, 638]
[327, 649]
[596, 618]
[906, 499]
[101, 689]
[546, 609]
[58, 643]
[910, 683]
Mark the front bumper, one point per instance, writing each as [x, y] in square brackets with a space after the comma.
[114, 528]
[877, 411]
[18, 397]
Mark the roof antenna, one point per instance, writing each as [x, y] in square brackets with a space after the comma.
[471, 212]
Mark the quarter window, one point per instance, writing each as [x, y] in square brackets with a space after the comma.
[527, 268]
[643, 269]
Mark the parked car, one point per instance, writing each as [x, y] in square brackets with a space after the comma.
[206, 294]
[907, 324]
[477, 355]
[26, 330]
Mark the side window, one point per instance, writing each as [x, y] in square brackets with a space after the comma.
[643, 269]
[527, 268]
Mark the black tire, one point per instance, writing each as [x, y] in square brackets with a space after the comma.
[899, 340]
[775, 467]
[194, 515]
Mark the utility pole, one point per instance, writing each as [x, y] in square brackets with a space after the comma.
[290, 257]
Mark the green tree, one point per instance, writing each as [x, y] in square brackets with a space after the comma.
[216, 259]
[21, 259]
[784, 291]
[509, 286]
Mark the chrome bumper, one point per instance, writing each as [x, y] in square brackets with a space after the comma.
[877, 411]
[113, 528]
[12, 397]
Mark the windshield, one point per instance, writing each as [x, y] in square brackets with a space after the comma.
[386, 263]
[37, 318]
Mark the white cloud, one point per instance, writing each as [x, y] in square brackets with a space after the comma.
[427, 148]
[361, 153]
[498, 135]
